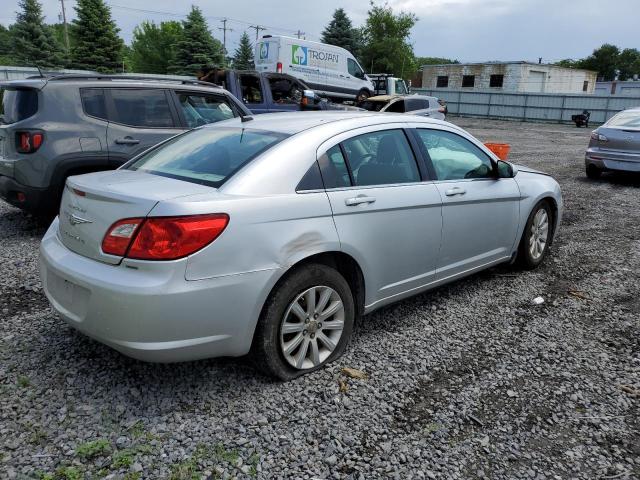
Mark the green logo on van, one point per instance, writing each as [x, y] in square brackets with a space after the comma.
[298, 55]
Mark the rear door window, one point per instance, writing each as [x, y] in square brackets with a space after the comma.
[207, 156]
[18, 104]
[380, 158]
[93, 102]
[139, 107]
[333, 166]
[199, 109]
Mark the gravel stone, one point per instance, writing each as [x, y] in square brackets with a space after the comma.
[471, 380]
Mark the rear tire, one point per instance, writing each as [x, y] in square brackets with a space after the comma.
[305, 324]
[593, 172]
[538, 231]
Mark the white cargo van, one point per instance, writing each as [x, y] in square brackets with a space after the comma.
[327, 69]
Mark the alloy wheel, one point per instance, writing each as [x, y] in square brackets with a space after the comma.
[539, 234]
[312, 327]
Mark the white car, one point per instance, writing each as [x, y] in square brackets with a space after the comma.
[327, 69]
[422, 105]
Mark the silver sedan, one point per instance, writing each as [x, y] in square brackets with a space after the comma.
[272, 235]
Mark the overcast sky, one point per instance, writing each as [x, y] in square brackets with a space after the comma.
[467, 30]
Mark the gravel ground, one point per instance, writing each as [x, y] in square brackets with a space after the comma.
[470, 381]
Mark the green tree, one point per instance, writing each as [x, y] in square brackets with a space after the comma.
[33, 42]
[434, 61]
[340, 32]
[243, 57]
[386, 47]
[197, 48]
[6, 47]
[603, 60]
[58, 32]
[96, 44]
[628, 63]
[153, 47]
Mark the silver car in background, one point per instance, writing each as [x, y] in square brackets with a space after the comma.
[422, 105]
[272, 234]
[615, 146]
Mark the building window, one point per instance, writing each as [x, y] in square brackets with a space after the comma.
[442, 82]
[585, 86]
[496, 81]
[468, 80]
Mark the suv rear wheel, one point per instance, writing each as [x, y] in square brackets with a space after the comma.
[306, 323]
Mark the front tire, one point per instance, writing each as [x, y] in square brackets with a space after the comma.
[536, 237]
[305, 324]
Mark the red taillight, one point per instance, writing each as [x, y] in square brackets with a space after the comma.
[163, 238]
[279, 67]
[119, 236]
[28, 142]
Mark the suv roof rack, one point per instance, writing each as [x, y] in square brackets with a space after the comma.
[90, 76]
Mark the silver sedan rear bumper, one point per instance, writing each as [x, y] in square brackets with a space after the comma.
[147, 310]
[613, 160]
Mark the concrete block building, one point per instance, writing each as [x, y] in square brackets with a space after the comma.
[517, 77]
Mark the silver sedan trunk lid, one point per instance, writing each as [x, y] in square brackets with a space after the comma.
[92, 203]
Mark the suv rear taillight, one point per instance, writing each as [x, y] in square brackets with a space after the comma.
[279, 67]
[28, 141]
[163, 238]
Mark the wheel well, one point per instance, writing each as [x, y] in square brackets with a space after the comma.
[343, 263]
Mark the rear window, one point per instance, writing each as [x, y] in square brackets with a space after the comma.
[626, 119]
[207, 156]
[18, 104]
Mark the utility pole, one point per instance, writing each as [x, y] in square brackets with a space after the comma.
[257, 28]
[66, 31]
[299, 33]
[224, 39]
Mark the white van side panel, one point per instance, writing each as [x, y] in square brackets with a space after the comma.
[323, 67]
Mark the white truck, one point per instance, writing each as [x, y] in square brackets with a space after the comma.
[329, 70]
[387, 84]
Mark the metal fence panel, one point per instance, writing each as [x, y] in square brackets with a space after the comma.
[531, 106]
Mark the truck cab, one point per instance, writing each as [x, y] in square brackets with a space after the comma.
[387, 84]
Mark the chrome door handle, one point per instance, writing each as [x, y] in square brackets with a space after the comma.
[455, 191]
[127, 141]
[360, 199]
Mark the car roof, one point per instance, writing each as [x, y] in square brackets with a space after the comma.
[296, 122]
[112, 81]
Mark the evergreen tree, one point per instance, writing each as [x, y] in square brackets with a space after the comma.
[6, 47]
[197, 49]
[33, 41]
[340, 32]
[243, 58]
[95, 40]
[153, 47]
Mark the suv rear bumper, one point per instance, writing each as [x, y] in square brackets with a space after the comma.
[10, 191]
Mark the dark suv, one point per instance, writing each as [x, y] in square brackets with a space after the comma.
[65, 125]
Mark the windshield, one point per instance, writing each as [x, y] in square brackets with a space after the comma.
[401, 87]
[18, 104]
[626, 119]
[206, 156]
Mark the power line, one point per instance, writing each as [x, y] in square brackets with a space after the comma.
[299, 33]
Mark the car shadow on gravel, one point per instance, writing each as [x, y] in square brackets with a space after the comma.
[615, 178]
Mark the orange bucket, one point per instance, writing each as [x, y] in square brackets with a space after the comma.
[500, 149]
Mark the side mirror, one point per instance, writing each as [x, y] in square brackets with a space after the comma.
[505, 170]
[310, 99]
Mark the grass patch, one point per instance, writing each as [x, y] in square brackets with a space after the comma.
[23, 382]
[94, 448]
